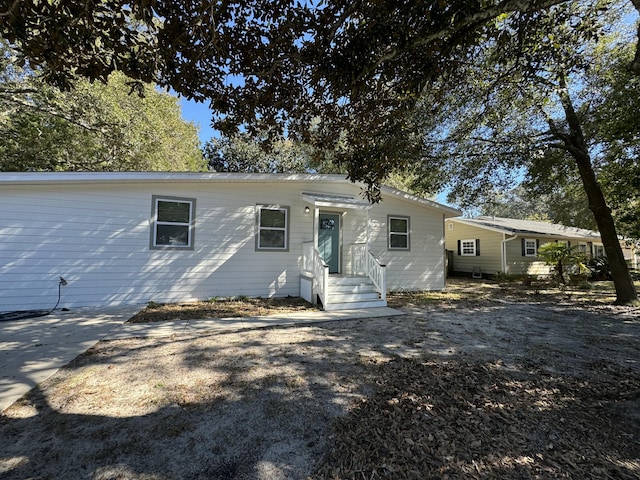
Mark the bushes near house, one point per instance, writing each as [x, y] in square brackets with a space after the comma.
[599, 269]
[566, 261]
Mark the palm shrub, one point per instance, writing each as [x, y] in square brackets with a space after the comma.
[565, 259]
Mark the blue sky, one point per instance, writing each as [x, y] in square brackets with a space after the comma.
[199, 114]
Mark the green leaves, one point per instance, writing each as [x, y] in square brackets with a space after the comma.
[344, 76]
[95, 127]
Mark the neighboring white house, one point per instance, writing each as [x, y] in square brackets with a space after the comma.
[130, 238]
[488, 245]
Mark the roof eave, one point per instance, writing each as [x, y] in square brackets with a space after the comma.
[523, 233]
[69, 178]
[448, 211]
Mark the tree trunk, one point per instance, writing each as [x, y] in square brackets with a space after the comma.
[577, 146]
[560, 271]
[635, 64]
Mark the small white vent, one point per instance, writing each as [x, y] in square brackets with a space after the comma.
[450, 226]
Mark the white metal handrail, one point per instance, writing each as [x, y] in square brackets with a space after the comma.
[378, 275]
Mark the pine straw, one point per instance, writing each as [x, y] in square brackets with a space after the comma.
[220, 308]
[471, 420]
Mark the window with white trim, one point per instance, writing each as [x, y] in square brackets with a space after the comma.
[173, 222]
[530, 247]
[468, 248]
[582, 248]
[398, 229]
[272, 228]
[598, 251]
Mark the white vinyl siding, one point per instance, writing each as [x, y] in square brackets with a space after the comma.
[398, 228]
[422, 267]
[97, 236]
[172, 223]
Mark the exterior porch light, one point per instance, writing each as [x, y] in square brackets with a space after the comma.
[306, 209]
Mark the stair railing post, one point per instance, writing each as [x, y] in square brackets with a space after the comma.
[325, 285]
[376, 271]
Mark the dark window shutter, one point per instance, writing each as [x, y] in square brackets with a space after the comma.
[568, 243]
[477, 247]
[524, 253]
[459, 247]
[537, 244]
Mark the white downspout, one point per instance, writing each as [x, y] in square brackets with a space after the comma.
[503, 251]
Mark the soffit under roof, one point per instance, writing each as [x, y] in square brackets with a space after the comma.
[335, 201]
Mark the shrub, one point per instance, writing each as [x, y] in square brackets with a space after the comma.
[599, 269]
[565, 260]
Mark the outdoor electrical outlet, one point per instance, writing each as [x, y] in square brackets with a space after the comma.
[62, 281]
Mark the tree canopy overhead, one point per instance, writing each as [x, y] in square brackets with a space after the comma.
[345, 76]
[326, 72]
[531, 105]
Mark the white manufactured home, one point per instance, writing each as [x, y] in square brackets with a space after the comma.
[131, 238]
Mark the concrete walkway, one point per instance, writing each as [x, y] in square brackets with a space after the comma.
[31, 350]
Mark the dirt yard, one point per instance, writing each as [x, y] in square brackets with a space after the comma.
[483, 381]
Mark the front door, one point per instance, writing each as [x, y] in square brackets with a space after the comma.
[329, 240]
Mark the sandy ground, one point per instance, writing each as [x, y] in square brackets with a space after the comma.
[262, 404]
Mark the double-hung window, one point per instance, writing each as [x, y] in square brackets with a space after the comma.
[468, 248]
[172, 222]
[530, 247]
[398, 232]
[272, 225]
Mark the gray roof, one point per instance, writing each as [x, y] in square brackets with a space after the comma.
[514, 226]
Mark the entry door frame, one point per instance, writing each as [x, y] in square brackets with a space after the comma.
[338, 247]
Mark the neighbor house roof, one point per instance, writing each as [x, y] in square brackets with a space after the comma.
[70, 178]
[513, 226]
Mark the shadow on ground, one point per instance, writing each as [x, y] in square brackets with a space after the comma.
[494, 391]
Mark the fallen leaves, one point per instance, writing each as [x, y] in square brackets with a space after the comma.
[463, 419]
[220, 308]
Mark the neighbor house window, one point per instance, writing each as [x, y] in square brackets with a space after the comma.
[598, 251]
[173, 222]
[469, 248]
[398, 233]
[582, 248]
[530, 247]
[272, 228]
